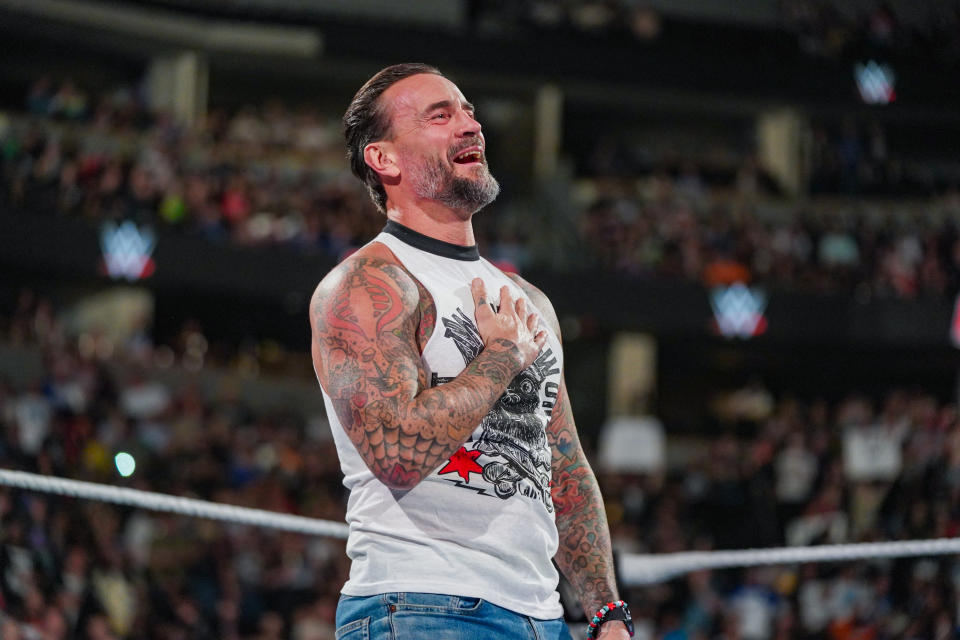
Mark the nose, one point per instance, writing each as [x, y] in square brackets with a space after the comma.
[468, 125]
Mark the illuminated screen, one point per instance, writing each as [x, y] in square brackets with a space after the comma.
[127, 251]
[738, 311]
[875, 82]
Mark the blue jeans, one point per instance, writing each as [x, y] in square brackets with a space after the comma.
[428, 616]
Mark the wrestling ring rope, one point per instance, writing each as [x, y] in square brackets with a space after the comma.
[633, 569]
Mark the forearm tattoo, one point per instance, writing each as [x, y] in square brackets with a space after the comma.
[370, 321]
[584, 556]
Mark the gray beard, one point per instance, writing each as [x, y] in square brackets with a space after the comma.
[435, 181]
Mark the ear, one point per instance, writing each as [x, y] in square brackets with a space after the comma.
[381, 157]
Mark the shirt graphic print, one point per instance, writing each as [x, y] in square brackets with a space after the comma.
[508, 455]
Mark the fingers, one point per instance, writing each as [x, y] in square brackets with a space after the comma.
[532, 321]
[521, 309]
[479, 292]
[540, 339]
[506, 300]
[481, 303]
[512, 320]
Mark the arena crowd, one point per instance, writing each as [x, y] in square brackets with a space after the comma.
[276, 175]
[78, 569]
[776, 472]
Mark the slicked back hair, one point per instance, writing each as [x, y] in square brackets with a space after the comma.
[367, 120]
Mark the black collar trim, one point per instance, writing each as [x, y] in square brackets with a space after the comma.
[431, 245]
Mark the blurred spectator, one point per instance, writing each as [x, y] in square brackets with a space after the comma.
[777, 471]
[248, 179]
[651, 229]
[834, 27]
[81, 569]
[713, 502]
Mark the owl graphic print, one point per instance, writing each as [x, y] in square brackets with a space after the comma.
[508, 455]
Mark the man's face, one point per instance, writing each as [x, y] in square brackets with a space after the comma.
[439, 145]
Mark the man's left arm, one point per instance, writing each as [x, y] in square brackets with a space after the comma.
[585, 554]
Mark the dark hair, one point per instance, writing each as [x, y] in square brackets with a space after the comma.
[366, 121]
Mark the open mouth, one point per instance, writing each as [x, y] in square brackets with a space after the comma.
[473, 155]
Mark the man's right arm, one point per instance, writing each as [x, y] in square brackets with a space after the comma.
[364, 319]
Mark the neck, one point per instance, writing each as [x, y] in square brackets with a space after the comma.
[434, 220]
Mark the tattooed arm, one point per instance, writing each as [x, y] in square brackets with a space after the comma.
[585, 555]
[367, 317]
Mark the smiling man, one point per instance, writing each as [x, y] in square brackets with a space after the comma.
[443, 381]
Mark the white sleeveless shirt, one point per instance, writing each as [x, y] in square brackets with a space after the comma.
[482, 523]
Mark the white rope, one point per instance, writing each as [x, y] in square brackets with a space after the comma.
[173, 504]
[636, 569]
[633, 569]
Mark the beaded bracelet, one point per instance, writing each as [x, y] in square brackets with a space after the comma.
[600, 617]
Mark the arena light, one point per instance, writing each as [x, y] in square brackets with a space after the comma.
[738, 311]
[127, 251]
[126, 465]
[875, 82]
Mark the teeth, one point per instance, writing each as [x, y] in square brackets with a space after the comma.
[470, 156]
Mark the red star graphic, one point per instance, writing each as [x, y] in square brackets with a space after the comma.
[463, 462]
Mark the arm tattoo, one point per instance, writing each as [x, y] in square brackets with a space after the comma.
[500, 366]
[585, 554]
[383, 303]
[370, 322]
[428, 317]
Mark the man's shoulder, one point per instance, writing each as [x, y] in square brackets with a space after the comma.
[374, 270]
[539, 298]
[524, 284]
[370, 257]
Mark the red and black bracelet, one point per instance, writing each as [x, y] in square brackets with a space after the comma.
[617, 610]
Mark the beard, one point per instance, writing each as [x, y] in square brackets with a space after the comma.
[434, 180]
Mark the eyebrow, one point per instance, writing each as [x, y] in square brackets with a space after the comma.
[446, 104]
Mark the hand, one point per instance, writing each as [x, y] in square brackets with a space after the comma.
[613, 630]
[511, 323]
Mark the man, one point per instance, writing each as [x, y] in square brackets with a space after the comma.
[442, 379]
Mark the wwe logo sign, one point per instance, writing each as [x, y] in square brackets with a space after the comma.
[875, 83]
[738, 311]
[127, 250]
